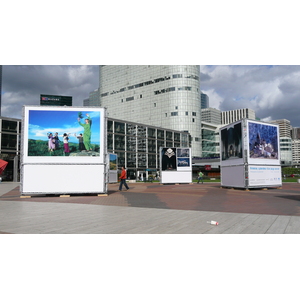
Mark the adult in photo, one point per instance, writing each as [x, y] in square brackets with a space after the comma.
[87, 133]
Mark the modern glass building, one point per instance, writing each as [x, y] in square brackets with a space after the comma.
[137, 145]
[204, 101]
[210, 140]
[10, 131]
[162, 96]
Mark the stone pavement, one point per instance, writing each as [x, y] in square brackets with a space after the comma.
[154, 208]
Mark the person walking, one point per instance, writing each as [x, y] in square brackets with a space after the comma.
[200, 177]
[123, 179]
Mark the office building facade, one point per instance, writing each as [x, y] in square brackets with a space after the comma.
[211, 115]
[295, 133]
[232, 116]
[161, 96]
[210, 140]
[93, 100]
[285, 141]
[137, 145]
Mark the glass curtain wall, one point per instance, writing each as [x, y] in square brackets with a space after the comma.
[137, 146]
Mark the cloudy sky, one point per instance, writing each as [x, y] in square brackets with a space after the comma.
[273, 92]
[22, 85]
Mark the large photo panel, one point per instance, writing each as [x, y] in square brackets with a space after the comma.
[263, 143]
[63, 135]
[231, 145]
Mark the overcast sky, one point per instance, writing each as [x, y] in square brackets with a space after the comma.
[271, 91]
[22, 85]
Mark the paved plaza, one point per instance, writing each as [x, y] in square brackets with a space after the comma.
[153, 208]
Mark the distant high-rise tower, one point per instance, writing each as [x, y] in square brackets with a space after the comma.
[232, 116]
[211, 115]
[204, 101]
[285, 141]
[162, 96]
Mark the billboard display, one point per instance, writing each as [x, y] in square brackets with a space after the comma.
[176, 166]
[263, 143]
[231, 144]
[264, 175]
[63, 150]
[63, 135]
[55, 100]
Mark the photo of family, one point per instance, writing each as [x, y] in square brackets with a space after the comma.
[63, 133]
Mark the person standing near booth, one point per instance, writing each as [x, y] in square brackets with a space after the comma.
[200, 177]
[123, 179]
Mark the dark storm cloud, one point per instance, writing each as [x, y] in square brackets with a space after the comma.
[22, 85]
[204, 77]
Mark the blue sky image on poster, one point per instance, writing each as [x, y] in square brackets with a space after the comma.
[44, 124]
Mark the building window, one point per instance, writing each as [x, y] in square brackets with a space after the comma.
[160, 134]
[176, 137]
[151, 132]
[194, 114]
[186, 113]
[169, 136]
[119, 142]
[176, 107]
[9, 126]
[185, 88]
[174, 113]
[110, 127]
[154, 104]
[119, 127]
[130, 98]
[131, 159]
[110, 141]
[8, 141]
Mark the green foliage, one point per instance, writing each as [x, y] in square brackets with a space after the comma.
[289, 171]
[40, 148]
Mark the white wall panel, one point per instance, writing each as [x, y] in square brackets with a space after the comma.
[63, 179]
